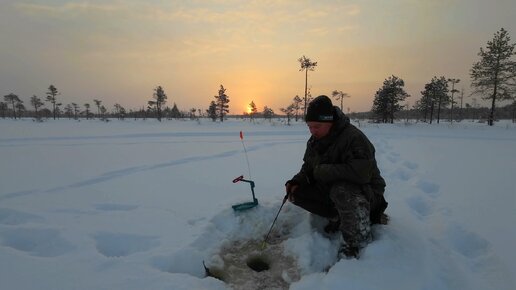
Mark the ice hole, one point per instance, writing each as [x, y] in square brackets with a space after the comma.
[258, 263]
[246, 265]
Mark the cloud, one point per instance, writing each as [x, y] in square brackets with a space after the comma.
[319, 31]
[69, 7]
[175, 42]
[215, 12]
[347, 28]
[207, 27]
[352, 10]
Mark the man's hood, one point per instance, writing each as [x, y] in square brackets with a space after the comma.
[341, 122]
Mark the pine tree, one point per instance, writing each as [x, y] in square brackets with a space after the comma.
[268, 113]
[58, 109]
[253, 109]
[20, 107]
[160, 99]
[426, 103]
[14, 101]
[36, 103]
[222, 101]
[453, 91]
[103, 112]
[435, 93]
[98, 103]
[75, 110]
[296, 105]
[441, 95]
[339, 96]
[387, 99]
[3, 109]
[212, 111]
[69, 111]
[52, 93]
[494, 76]
[306, 65]
[288, 111]
[192, 113]
[87, 111]
[174, 112]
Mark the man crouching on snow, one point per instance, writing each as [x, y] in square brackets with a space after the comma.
[339, 178]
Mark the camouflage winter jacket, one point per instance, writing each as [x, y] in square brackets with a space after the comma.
[345, 154]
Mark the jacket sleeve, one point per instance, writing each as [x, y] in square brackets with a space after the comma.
[304, 176]
[357, 164]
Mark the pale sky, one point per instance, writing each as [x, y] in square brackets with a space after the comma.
[118, 51]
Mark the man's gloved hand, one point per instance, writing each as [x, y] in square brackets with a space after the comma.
[289, 189]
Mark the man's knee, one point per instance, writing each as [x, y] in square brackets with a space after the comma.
[344, 192]
[349, 200]
[313, 200]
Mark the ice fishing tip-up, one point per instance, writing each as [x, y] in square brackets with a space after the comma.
[245, 205]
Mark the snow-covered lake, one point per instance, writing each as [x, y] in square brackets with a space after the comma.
[141, 204]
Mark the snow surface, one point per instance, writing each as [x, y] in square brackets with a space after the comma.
[141, 204]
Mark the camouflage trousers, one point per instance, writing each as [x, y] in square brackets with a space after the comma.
[344, 200]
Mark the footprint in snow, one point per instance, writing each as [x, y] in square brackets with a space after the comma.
[420, 206]
[410, 165]
[402, 174]
[36, 242]
[393, 157]
[428, 187]
[121, 245]
[12, 217]
[465, 242]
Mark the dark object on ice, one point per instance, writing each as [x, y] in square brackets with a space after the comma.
[258, 264]
[211, 273]
[245, 205]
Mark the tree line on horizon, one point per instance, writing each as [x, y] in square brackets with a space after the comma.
[493, 77]
[14, 106]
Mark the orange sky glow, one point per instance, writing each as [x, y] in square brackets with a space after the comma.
[118, 51]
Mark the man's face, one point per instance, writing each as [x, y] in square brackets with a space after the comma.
[319, 129]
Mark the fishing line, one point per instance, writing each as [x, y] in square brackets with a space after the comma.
[246, 157]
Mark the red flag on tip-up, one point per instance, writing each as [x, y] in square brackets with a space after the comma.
[241, 135]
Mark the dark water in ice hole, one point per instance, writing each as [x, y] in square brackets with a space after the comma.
[247, 266]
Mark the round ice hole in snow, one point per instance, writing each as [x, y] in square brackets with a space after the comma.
[257, 264]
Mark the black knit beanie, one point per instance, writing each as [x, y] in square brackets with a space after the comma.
[320, 109]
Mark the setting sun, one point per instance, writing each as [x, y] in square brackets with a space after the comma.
[190, 48]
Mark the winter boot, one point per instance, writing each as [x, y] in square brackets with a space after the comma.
[348, 252]
[384, 219]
